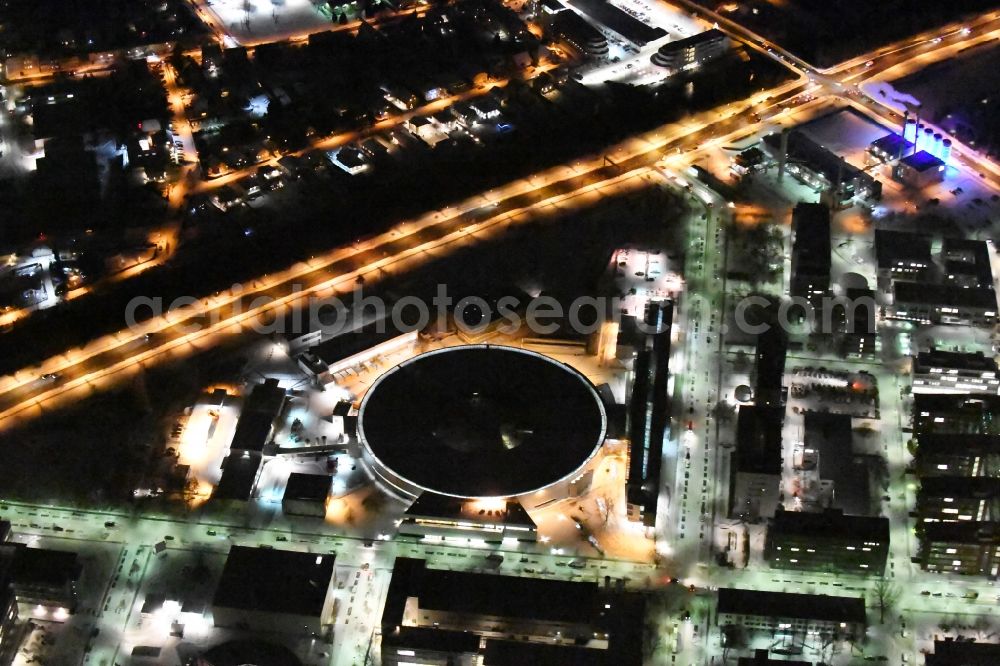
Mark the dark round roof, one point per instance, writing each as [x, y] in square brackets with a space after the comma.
[482, 421]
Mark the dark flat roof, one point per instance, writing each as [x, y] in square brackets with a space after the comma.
[973, 254]
[487, 594]
[956, 444]
[962, 532]
[956, 653]
[935, 403]
[811, 250]
[508, 596]
[309, 487]
[621, 616]
[239, 474]
[758, 439]
[938, 358]
[257, 417]
[832, 437]
[976, 487]
[41, 566]
[942, 294]
[242, 652]
[574, 27]
[426, 638]
[617, 20]
[349, 343]
[760, 658]
[482, 421]
[769, 358]
[275, 581]
[789, 605]
[514, 653]
[895, 246]
[832, 523]
[694, 40]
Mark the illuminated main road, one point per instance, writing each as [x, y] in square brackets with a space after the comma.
[171, 336]
[840, 81]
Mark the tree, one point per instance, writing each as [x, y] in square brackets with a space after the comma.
[885, 594]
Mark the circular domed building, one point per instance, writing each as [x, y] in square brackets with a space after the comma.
[481, 421]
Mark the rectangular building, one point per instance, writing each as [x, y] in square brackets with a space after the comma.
[692, 51]
[844, 475]
[511, 619]
[239, 478]
[268, 590]
[859, 336]
[573, 29]
[306, 494]
[957, 498]
[261, 410]
[422, 645]
[496, 522]
[966, 263]
[352, 347]
[963, 653]
[810, 251]
[902, 255]
[920, 169]
[962, 455]
[619, 21]
[889, 148]
[955, 413]
[769, 368]
[927, 303]
[968, 548]
[760, 658]
[755, 465]
[828, 542]
[939, 371]
[648, 413]
[42, 577]
[787, 613]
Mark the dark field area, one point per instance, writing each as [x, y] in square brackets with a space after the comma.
[825, 33]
